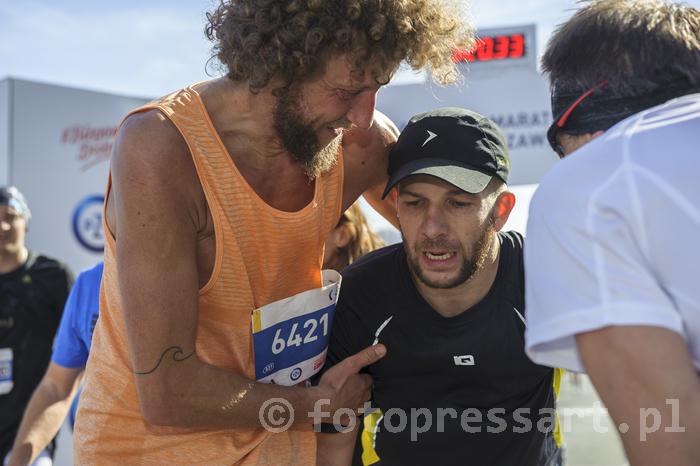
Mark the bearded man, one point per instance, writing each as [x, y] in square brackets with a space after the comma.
[219, 201]
[455, 386]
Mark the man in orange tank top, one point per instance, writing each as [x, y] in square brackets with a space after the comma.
[220, 197]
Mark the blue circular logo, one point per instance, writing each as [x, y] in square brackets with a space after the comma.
[296, 373]
[87, 223]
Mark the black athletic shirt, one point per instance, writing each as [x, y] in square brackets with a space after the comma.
[473, 360]
[31, 304]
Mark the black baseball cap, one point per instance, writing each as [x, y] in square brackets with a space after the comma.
[462, 147]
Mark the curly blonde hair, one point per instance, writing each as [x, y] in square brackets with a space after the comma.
[258, 40]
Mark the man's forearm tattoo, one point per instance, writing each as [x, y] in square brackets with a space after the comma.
[177, 357]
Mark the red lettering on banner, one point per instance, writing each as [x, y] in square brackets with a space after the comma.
[94, 143]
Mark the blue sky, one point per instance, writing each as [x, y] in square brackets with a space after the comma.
[150, 47]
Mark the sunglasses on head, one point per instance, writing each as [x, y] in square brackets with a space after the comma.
[561, 120]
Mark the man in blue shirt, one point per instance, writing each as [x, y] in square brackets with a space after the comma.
[51, 401]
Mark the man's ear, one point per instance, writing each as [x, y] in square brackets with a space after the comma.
[341, 236]
[596, 134]
[502, 209]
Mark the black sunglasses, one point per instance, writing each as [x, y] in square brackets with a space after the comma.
[561, 120]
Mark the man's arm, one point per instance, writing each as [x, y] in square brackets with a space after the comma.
[366, 161]
[647, 380]
[357, 316]
[156, 215]
[336, 449]
[45, 413]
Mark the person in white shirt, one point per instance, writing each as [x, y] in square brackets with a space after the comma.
[612, 272]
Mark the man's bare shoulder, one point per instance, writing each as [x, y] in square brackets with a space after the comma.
[149, 138]
[152, 161]
[386, 128]
[366, 159]
[373, 141]
[366, 151]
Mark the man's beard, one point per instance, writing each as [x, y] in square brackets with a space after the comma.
[470, 265]
[299, 137]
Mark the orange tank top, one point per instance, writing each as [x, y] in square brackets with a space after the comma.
[262, 255]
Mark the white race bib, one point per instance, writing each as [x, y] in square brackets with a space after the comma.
[6, 381]
[290, 336]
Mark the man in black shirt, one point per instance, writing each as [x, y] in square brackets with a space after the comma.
[33, 290]
[455, 387]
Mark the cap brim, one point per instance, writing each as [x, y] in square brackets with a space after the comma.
[462, 177]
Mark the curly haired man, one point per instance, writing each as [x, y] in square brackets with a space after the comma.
[219, 200]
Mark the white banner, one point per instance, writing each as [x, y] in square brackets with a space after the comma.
[59, 158]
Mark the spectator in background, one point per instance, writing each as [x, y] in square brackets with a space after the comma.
[33, 290]
[351, 239]
[52, 399]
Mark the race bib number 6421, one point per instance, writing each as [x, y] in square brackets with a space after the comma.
[290, 336]
[279, 342]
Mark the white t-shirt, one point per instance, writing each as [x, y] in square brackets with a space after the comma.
[613, 236]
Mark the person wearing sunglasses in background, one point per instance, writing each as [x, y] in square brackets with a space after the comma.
[612, 287]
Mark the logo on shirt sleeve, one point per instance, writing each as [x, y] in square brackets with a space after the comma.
[466, 360]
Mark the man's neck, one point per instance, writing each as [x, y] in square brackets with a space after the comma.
[11, 261]
[243, 119]
[244, 123]
[454, 301]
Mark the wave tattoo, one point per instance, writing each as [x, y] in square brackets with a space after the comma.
[177, 357]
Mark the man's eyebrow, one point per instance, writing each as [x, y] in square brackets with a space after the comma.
[347, 87]
[459, 192]
[409, 192]
[453, 192]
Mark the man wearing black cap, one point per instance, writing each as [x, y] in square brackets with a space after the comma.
[612, 268]
[33, 290]
[455, 386]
